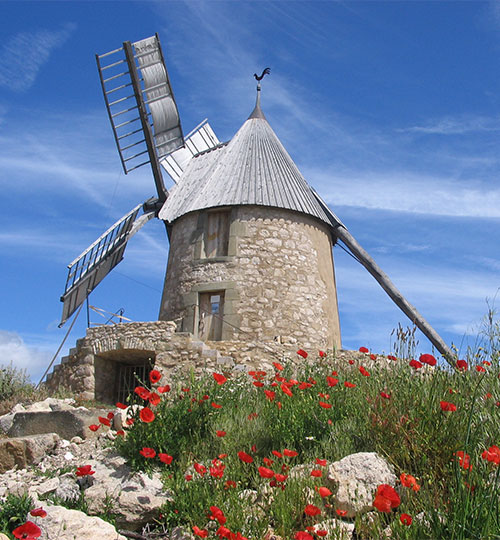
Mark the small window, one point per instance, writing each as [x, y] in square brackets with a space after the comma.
[216, 235]
[211, 314]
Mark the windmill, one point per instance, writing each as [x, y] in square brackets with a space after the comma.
[221, 191]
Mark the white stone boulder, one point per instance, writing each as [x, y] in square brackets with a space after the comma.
[65, 524]
[356, 478]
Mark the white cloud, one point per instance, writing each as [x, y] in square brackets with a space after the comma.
[13, 349]
[406, 192]
[456, 126]
[23, 55]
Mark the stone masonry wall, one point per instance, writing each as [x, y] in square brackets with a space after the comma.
[89, 371]
[278, 277]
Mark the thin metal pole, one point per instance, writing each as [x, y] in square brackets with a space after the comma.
[60, 347]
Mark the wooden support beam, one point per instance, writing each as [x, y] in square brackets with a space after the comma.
[383, 279]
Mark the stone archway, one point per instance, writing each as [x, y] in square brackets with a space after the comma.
[118, 372]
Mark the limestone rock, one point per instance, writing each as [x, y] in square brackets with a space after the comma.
[357, 477]
[65, 524]
[134, 498]
[23, 451]
[67, 423]
[68, 488]
[338, 529]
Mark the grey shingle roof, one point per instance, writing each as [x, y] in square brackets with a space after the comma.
[253, 168]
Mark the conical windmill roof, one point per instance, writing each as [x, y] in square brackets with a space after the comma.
[252, 169]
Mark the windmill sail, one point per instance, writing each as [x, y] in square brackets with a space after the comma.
[95, 263]
[200, 139]
[141, 105]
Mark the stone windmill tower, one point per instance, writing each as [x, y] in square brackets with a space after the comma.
[250, 241]
[250, 246]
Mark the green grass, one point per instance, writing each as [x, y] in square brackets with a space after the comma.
[409, 430]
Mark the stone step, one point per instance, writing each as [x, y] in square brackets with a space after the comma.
[66, 359]
[207, 352]
[73, 351]
[225, 361]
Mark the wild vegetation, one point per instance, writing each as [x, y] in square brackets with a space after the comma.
[229, 446]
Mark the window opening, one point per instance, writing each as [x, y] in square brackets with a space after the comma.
[216, 239]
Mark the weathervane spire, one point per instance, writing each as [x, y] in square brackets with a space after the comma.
[257, 112]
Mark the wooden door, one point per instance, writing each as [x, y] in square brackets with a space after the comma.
[211, 313]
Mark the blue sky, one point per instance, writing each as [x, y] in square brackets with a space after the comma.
[391, 110]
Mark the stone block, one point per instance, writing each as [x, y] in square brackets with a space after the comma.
[66, 423]
[23, 451]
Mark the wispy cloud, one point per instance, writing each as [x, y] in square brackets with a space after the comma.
[23, 55]
[456, 126]
[407, 192]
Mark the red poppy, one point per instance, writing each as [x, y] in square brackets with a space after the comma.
[304, 385]
[321, 532]
[148, 452]
[447, 406]
[351, 362]
[480, 369]
[405, 519]
[217, 468]
[258, 384]
[216, 406]
[316, 473]
[104, 421]
[324, 492]
[363, 350]
[486, 363]
[38, 512]
[416, 364]
[163, 389]
[120, 433]
[341, 513]
[321, 462]
[188, 477]
[278, 366]
[84, 470]
[154, 399]
[364, 372]
[280, 477]
[302, 535]
[202, 533]
[391, 357]
[217, 514]
[165, 458]
[200, 469]
[223, 532]
[290, 453]
[142, 392]
[409, 481]
[221, 433]
[373, 356]
[245, 457]
[277, 454]
[121, 405]
[463, 459]
[219, 379]
[325, 405]
[312, 510]
[28, 531]
[94, 427]
[147, 415]
[322, 354]
[492, 455]
[154, 376]
[265, 472]
[332, 381]
[302, 353]
[286, 390]
[348, 384]
[129, 421]
[385, 395]
[230, 484]
[427, 359]
[386, 498]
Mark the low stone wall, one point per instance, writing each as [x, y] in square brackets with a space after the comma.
[91, 370]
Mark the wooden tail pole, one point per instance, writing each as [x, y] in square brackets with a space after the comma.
[383, 279]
